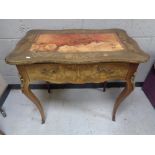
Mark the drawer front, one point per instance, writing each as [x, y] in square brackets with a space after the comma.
[77, 73]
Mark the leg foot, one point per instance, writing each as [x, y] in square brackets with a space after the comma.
[104, 86]
[3, 112]
[48, 87]
[49, 91]
[43, 121]
[113, 118]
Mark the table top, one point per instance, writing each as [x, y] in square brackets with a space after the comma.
[76, 47]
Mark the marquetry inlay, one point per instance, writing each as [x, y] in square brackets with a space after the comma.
[77, 43]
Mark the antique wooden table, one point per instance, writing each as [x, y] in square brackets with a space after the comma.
[76, 56]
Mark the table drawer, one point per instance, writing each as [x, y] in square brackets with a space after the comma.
[77, 73]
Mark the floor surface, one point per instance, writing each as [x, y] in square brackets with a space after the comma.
[78, 111]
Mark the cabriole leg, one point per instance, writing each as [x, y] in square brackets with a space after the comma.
[28, 93]
[126, 91]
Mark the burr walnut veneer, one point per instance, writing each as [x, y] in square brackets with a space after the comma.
[76, 56]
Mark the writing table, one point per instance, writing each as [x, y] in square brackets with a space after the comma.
[77, 57]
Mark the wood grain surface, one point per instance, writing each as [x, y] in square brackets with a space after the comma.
[78, 73]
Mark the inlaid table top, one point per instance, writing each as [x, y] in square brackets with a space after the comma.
[76, 46]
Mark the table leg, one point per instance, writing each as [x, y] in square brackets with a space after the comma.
[126, 91]
[26, 90]
[28, 93]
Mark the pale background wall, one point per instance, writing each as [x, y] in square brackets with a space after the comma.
[12, 30]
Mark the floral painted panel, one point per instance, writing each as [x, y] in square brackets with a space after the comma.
[77, 43]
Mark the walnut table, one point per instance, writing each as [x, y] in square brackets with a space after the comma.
[76, 56]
